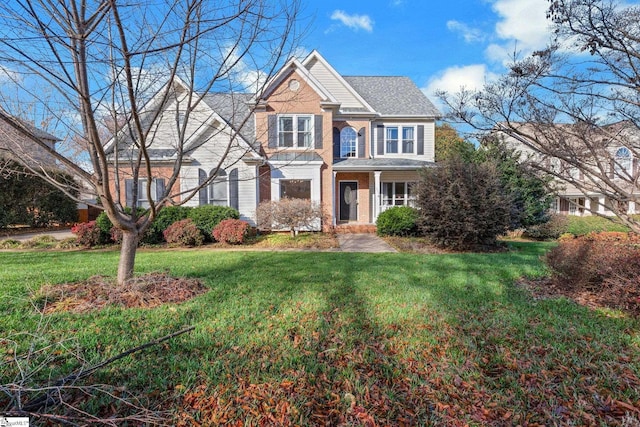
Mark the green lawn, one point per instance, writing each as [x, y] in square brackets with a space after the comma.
[324, 338]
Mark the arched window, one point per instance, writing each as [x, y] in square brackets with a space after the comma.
[348, 141]
[623, 161]
[218, 189]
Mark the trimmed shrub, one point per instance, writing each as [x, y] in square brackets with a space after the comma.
[604, 263]
[183, 233]
[556, 226]
[206, 217]
[88, 234]
[104, 223]
[581, 225]
[167, 216]
[230, 231]
[463, 205]
[398, 221]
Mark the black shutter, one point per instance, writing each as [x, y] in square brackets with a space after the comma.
[272, 132]
[317, 127]
[380, 134]
[420, 140]
[233, 189]
[202, 193]
[336, 143]
[362, 143]
[159, 188]
[128, 191]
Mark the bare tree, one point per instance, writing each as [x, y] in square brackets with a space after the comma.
[105, 60]
[573, 107]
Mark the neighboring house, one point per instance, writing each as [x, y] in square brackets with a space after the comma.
[611, 158]
[16, 142]
[353, 143]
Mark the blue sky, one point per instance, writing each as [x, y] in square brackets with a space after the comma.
[438, 44]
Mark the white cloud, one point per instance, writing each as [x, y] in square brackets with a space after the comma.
[355, 22]
[453, 79]
[469, 34]
[523, 22]
[397, 3]
[9, 75]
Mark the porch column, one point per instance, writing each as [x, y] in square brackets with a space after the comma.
[601, 207]
[333, 199]
[376, 194]
[632, 208]
[587, 205]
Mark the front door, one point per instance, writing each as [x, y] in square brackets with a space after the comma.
[348, 201]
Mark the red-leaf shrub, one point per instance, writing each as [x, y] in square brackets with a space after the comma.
[183, 233]
[231, 231]
[87, 234]
[116, 234]
[605, 263]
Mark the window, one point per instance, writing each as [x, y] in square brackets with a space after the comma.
[407, 141]
[295, 131]
[157, 190]
[576, 205]
[623, 161]
[218, 189]
[295, 188]
[348, 139]
[398, 194]
[392, 140]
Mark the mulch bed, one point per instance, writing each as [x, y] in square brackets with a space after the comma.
[97, 292]
[547, 287]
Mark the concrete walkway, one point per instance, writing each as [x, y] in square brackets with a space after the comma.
[363, 243]
[58, 234]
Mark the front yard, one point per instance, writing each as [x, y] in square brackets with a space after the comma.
[327, 338]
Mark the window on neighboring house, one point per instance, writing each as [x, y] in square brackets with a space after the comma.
[295, 131]
[348, 140]
[400, 139]
[623, 162]
[157, 188]
[576, 205]
[398, 194]
[218, 191]
[392, 140]
[295, 188]
[407, 140]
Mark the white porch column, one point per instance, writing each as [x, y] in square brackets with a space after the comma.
[587, 205]
[333, 199]
[601, 207]
[376, 194]
[632, 208]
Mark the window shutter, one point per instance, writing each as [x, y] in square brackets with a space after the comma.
[233, 189]
[202, 193]
[362, 143]
[317, 127]
[128, 190]
[420, 140]
[380, 135]
[272, 132]
[336, 143]
[159, 188]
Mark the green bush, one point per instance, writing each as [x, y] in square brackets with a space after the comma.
[556, 226]
[165, 218]
[206, 217]
[398, 221]
[581, 225]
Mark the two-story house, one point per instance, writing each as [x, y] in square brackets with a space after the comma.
[353, 143]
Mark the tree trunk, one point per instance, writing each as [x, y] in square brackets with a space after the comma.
[127, 256]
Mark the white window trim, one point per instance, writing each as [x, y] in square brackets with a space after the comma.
[355, 156]
[400, 127]
[620, 169]
[406, 198]
[295, 117]
[142, 201]
[218, 180]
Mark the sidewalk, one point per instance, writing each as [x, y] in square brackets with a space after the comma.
[58, 234]
[363, 243]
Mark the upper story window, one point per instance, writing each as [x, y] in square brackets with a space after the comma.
[400, 139]
[295, 131]
[623, 161]
[348, 142]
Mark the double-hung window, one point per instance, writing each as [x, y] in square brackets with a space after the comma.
[218, 189]
[398, 194]
[295, 131]
[400, 139]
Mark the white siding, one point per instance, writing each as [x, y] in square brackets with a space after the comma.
[333, 85]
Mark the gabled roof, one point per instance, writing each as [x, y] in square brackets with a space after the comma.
[393, 96]
[294, 65]
[235, 110]
[27, 127]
